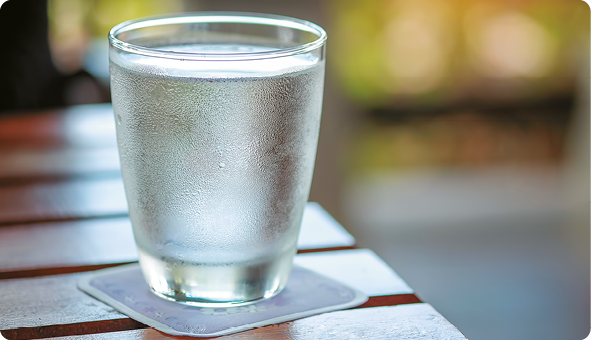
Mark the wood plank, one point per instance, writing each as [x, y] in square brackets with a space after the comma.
[42, 164]
[103, 197]
[32, 129]
[66, 247]
[412, 322]
[70, 200]
[359, 268]
[50, 300]
[55, 300]
[74, 243]
[28, 273]
[390, 300]
[126, 324]
[78, 141]
[77, 126]
[320, 230]
[53, 331]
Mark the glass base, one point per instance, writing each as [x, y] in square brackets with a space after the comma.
[211, 304]
[216, 285]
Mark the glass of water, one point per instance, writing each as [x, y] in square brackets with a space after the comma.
[217, 119]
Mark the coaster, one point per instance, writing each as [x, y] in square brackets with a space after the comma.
[306, 293]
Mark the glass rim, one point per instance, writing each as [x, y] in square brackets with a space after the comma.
[218, 17]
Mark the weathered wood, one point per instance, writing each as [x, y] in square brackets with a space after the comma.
[27, 203]
[390, 300]
[60, 169]
[52, 331]
[55, 300]
[51, 164]
[126, 324]
[50, 300]
[360, 268]
[320, 230]
[28, 273]
[58, 144]
[77, 126]
[62, 244]
[105, 196]
[318, 250]
[416, 321]
[38, 249]
[40, 129]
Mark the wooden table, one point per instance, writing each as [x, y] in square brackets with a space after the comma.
[63, 213]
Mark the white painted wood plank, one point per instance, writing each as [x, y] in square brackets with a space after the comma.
[320, 230]
[50, 300]
[62, 244]
[110, 240]
[358, 268]
[405, 322]
[36, 301]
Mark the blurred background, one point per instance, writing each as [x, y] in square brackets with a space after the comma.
[454, 139]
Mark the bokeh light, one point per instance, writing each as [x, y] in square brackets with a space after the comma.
[74, 24]
[390, 53]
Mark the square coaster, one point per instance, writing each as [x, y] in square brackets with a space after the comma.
[306, 293]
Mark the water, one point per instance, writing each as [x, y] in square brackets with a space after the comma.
[217, 161]
[207, 283]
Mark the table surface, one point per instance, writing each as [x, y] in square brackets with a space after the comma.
[63, 213]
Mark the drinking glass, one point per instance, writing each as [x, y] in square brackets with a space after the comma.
[217, 117]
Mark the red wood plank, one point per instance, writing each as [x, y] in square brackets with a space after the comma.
[304, 251]
[28, 273]
[105, 326]
[390, 300]
[35, 128]
[78, 126]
